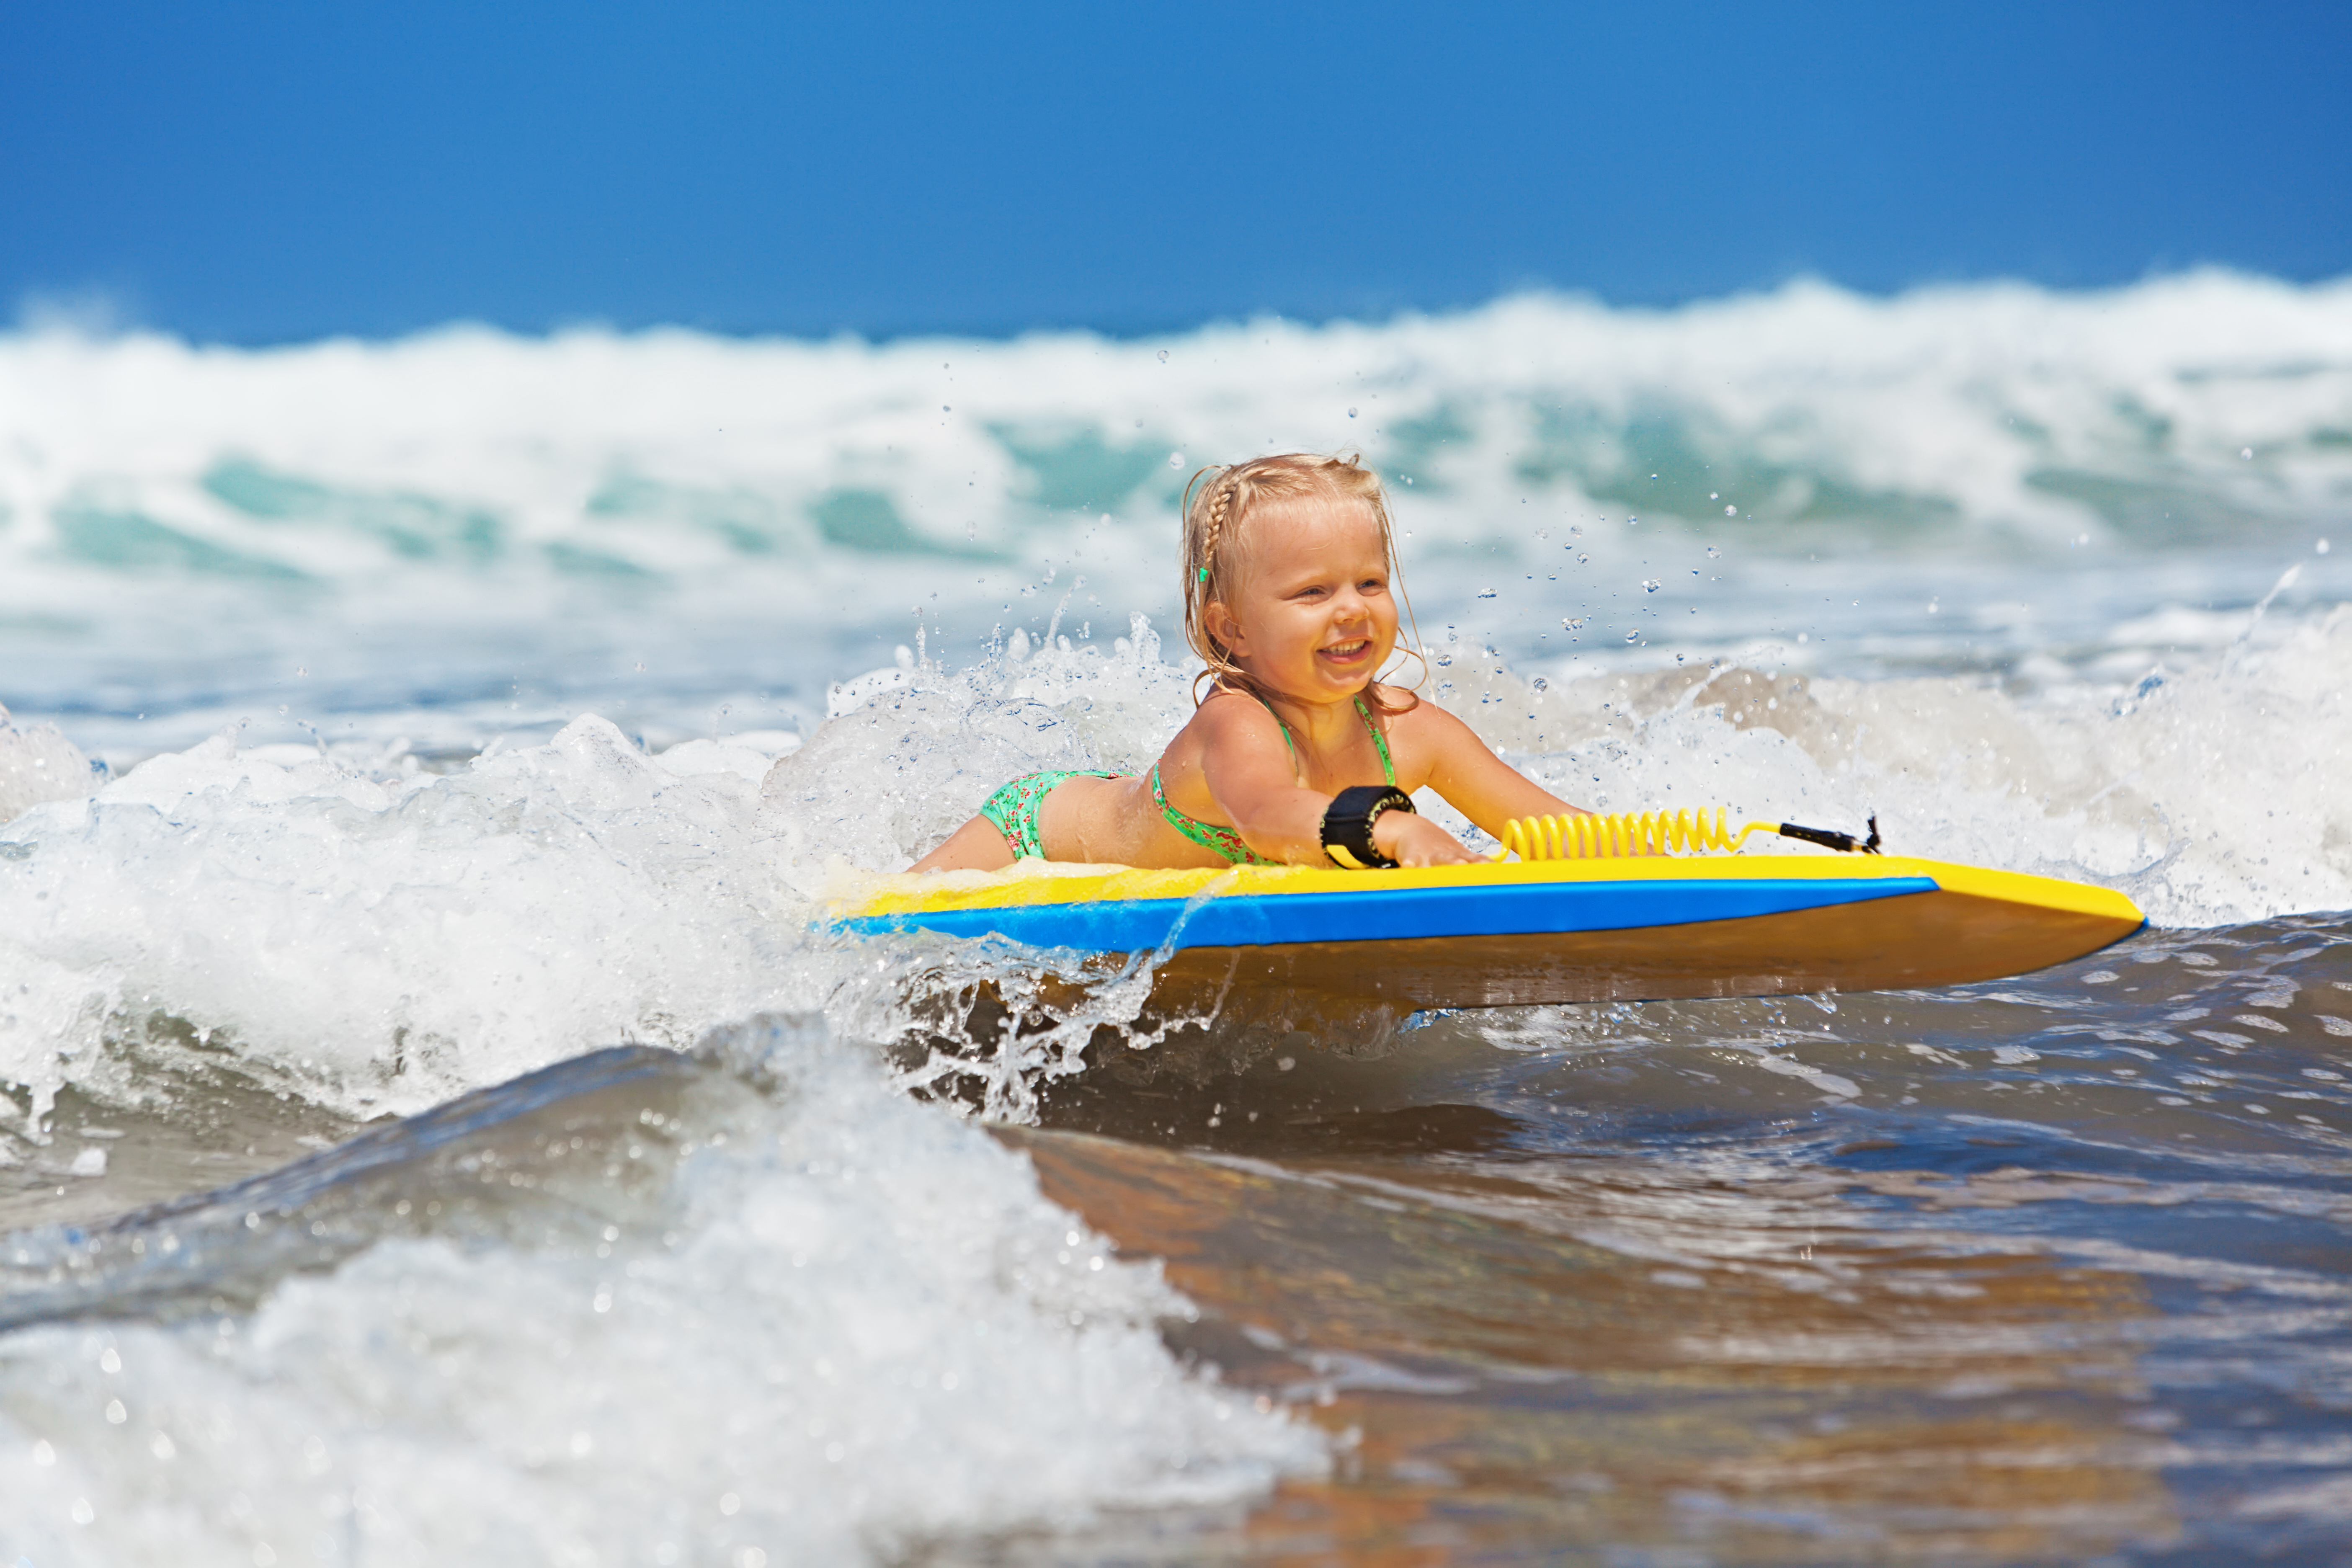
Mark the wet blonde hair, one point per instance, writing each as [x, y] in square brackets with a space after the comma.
[1218, 505]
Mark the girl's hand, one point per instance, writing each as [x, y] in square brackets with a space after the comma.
[1414, 840]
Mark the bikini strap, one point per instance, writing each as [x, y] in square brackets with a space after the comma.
[1287, 741]
[1379, 741]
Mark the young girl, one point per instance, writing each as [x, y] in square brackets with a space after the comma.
[1296, 753]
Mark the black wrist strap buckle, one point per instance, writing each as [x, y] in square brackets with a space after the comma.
[1348, 825]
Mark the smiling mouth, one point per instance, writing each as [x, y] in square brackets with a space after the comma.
[1349, 652]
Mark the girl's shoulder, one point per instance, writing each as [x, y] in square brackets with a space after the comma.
[1227, 715]
[1424, 734]
[1224, 705]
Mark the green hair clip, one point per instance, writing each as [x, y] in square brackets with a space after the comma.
[1205, 573]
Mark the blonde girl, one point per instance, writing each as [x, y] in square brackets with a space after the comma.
[1296, 753]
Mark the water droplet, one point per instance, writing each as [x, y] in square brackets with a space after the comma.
[1650, 584]
[1712, 552]
[1633, 637]
[1712, 496]
[1485, 592]
[945, 409]
[2321, 547]
[1175, 459]
[2246, 452]
[1731, 511]
[1351, 414]
[1163, 356]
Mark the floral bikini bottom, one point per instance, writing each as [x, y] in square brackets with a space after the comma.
[1014, 812]
[1014, 809]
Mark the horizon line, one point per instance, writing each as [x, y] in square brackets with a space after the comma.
[95, 315]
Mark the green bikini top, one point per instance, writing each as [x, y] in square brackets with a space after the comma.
[1225, 841]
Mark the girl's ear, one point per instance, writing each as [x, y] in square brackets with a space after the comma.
[1222, 627]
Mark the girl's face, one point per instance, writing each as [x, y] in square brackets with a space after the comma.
[1309, 612]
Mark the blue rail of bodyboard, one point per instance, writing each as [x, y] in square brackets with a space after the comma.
[1390, 915]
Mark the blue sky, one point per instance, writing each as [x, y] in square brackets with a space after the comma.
[258, 173]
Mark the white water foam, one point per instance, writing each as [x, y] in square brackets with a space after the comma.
[1964, 399]
[382, 942]
[1967, 474]
[39, 763]
[862, 1328]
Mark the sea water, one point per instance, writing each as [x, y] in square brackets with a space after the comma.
[436, 1128]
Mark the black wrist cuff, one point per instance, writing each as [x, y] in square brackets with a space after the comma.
[1348, 824]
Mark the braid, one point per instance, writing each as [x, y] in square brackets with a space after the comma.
[1220, 503]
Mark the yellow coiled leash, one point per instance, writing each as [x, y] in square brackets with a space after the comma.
[1593, 836]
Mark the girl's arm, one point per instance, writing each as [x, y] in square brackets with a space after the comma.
[1476, 782]
[1250, 775]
